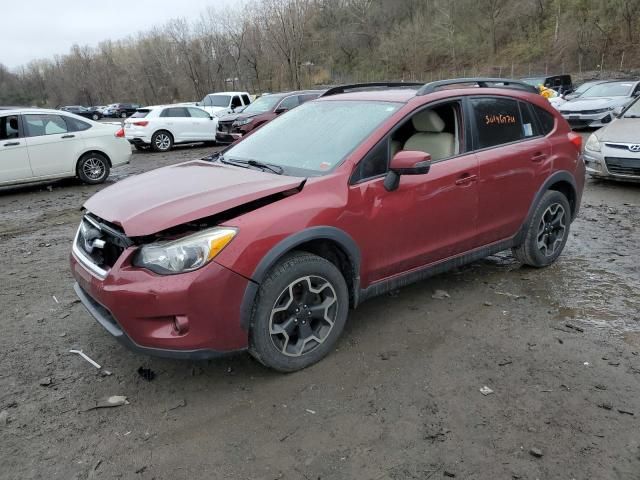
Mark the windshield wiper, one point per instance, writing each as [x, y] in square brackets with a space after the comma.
[277, 169]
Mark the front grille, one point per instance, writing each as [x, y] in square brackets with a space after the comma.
[100, 241]
[225, 127]
[623, 166]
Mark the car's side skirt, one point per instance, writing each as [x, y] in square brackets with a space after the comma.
[421, 273]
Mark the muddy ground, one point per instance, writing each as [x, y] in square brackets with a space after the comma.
[399, 398]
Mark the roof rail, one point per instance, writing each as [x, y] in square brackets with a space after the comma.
[362, 86]
[482, 82]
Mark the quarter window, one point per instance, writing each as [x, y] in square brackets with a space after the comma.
[75, 125]
[497, 121]
[545, 119]
[246, 100]
[38, 125]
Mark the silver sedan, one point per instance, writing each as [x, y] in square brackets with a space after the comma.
[614, 151]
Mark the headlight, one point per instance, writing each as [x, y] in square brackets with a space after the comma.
[242, 121]
[185, 254]
[593, 144]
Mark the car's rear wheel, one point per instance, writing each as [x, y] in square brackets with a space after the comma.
[95, 116]
[547, 233]
[299, 314]
[123, 115]
[93, 168]
[161, 141]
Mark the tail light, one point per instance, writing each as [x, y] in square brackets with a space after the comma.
[120, 133]
[142, 123]
[576, 139]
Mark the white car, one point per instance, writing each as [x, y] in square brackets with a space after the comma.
[162, 126]
[39, 144]
[221, 103]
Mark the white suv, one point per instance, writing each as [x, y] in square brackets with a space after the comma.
[221, 103]
[161, 127]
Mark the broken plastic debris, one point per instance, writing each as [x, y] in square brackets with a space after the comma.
[440, 295]
[55, 299]
[112, 401]
[313, 412]
[486, 390]
[86, 357]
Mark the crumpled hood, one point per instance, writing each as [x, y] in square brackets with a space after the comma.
[163, 198]
[623, 130]
[580, 104]
[235, 116]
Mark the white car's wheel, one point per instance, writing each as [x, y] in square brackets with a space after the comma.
[93, 168]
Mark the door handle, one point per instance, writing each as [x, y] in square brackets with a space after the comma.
[11, 144]
[466, 179]
[538, 157]
[68, 136]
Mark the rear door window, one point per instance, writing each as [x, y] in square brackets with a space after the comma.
[175, 112]
[246, 100]
[38, 125]
[9, 127]
[497, 121]
[197, 113]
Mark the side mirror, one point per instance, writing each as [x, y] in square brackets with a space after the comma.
[281, 110]
[210, 117]
[617, 111]
[406, 162]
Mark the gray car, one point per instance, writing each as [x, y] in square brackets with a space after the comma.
[614, 151]
[594, 108]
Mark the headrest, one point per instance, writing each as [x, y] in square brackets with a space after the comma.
[428, 121]
[13, 123]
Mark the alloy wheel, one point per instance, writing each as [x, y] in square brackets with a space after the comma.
[93, 168]
[163, 141]
[552, 229]
[303, 315]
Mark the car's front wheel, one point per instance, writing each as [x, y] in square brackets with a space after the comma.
[93, 168]
[161, 141]
[95, 116]
[300, 311]
[547, 233]
[123, 115]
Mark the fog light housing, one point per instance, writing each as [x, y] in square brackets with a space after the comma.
[181, 324]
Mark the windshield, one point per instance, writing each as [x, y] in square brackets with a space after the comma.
[633, 111]
[216, 100]
[263, 104]
[617, 89]
[583, 88]
[536, 81]
[315, 137]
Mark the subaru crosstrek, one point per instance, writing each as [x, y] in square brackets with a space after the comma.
[266, 246]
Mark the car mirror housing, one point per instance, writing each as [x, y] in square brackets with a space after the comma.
[281, 110]
[406, 162]
[617, 111]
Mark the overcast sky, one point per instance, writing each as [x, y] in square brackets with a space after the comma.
[31, 29]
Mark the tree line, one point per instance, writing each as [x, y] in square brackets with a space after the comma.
[272, 45]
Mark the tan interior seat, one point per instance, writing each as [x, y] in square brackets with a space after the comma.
[430, 137]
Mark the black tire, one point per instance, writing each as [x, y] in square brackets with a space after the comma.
[161, 141]
[274, 314]
[93, 168]
[547, 233]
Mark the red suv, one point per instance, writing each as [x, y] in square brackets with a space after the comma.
[234, 126]
[267, 246]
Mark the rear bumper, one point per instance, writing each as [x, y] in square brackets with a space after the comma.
[194, 315]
